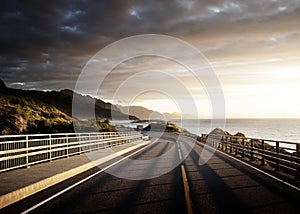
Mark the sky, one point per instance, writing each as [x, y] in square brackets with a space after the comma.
[252, 46]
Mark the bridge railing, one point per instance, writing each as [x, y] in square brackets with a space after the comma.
[278, 154]
[24, 150]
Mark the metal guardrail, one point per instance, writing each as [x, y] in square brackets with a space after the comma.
[24, 150]
[279, 154]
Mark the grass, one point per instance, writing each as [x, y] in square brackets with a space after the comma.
[21, 115]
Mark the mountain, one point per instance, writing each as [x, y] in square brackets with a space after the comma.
[2, 86]
[31, 111]
[141, 112]
[147, 114]
[172, 116]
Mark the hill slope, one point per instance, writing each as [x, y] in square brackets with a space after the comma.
[147, 114]
[26, 115]
[141, 112]
[30, 111]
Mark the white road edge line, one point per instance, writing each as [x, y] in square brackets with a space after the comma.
[257, 169]
[82, 181]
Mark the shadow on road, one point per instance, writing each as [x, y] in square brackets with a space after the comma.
[230, 187]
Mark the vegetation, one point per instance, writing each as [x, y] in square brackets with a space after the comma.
[94, 125]
[162, 126]
[26, 115]
[23, 112]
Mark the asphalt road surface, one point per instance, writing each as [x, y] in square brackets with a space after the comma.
[159, 183]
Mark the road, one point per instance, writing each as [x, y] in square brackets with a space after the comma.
[220, 185]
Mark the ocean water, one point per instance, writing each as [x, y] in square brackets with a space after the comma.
[271, 129]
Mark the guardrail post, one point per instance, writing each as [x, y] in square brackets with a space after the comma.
[27, 152]
[277, 156]
[77, 142]
[104, 145]
[50, 148]
[80, 144]
[97, 141]
[263, 152]
[225, 144]
[251, 153]
[229, 144]
[67, 141]
[89, 144]
[107, 136]
[236, 146]
[243, 147]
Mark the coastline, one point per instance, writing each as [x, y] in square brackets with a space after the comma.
[273, 129]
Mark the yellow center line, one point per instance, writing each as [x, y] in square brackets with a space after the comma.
[179, 152]
[185, 185]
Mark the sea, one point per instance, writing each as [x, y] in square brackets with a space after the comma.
[270, 129]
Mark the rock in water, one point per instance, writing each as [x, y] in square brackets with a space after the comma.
[217, 131]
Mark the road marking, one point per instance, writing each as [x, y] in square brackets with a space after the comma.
[19, 194]
[180, 156]
[82, 181]
[257, 169]
[186, 188]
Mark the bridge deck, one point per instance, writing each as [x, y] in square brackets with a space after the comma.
[221, 185]
[20, 178]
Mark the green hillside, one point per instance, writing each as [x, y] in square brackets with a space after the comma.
[26, 115]
[47, 112]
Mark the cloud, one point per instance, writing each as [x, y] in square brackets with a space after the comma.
[51, 41]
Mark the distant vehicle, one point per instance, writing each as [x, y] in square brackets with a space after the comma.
[146, 137]
[139, 127]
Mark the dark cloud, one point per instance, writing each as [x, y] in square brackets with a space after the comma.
[52, 40]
